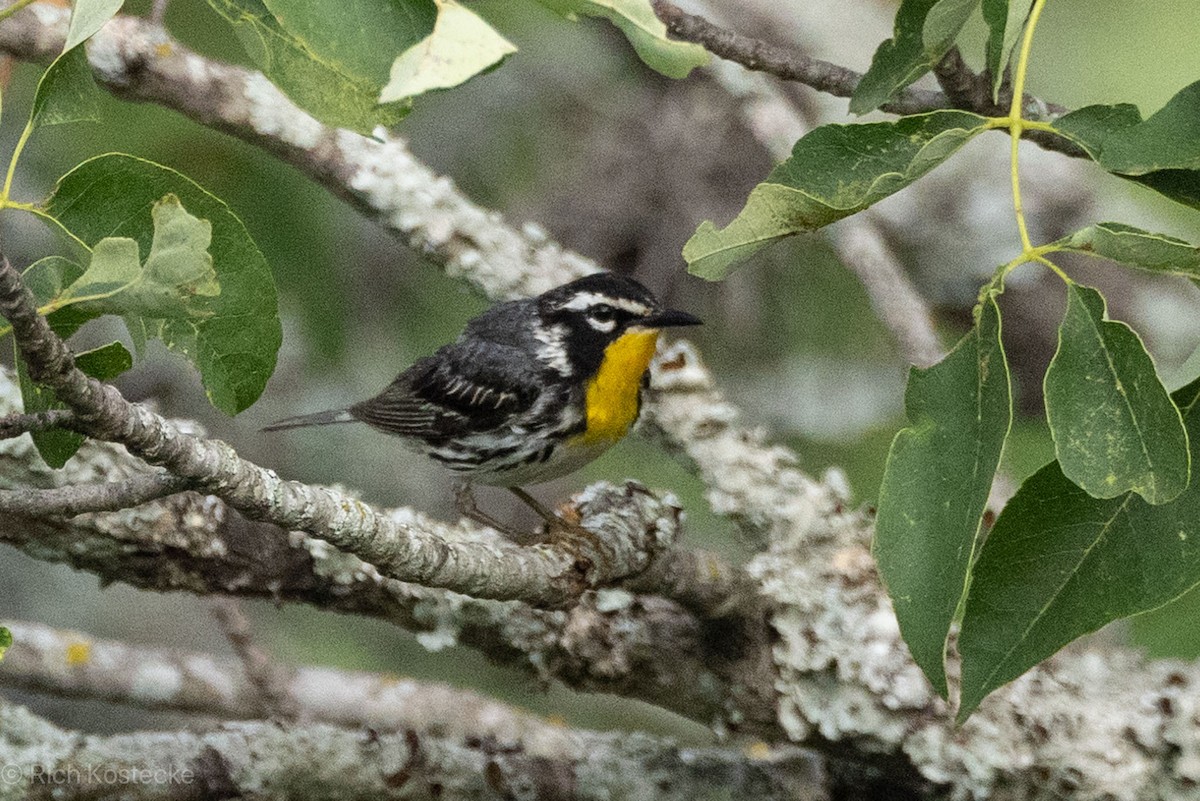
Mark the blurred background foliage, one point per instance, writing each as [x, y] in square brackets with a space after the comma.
[617, 162]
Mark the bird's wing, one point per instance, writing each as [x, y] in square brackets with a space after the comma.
[465, 387]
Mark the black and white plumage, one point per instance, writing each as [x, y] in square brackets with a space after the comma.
[507, 402]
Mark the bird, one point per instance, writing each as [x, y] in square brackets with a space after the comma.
[531, 390]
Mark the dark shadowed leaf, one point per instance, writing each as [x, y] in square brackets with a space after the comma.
[1115, 428]
[1094, 127]
[1059, 564]
[833, 172]
[1005, 20]
[924, 31]
[66, 92]
[936, 484]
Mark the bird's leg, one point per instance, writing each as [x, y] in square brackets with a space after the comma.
[464, 500]
[532, 502]
[557, 529]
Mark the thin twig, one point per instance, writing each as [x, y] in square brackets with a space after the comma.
[14, 425]
[269, 682]
[85, 498]
[754, 54]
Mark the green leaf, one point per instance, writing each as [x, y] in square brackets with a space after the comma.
[87, 17]
[106, 362]
[66, 92]
[1005, 20]
[1059, 564]
[1115, 428]
[56, 446]
[461, 45]
[924, 31]
[936, 483]
[176, 281]
[1157, 253]
[331, 56]
[1094, 127]
[1168, 140]
[833, 172]
[231, 337]
[648, 35]
[6, 640]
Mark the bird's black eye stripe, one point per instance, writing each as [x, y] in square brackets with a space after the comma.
[602, 313]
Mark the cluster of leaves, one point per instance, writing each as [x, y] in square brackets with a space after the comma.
[149, 246]
[1111, 528]
[360, 64]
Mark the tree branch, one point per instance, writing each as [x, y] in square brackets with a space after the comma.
[961, 87]
[269, 683]
[84, 498]
[14, 425]
[757, 55]
[265, 760]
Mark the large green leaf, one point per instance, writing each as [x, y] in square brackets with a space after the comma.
[924, 31]
[1157, 253]
[87, 17]
[648, 35]
[1115, 428]
[1059, 564]
[833, 172]
[332, 56]
[461, 45]
[1093, 128]
[935, 487]
[1005, 20]
[231, 337]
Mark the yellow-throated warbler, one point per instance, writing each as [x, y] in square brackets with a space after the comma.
[531, 390]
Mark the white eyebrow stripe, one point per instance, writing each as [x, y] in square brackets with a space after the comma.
[585, 300]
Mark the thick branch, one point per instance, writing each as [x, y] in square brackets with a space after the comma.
[14, 425]
[265, 760]
[83, 498]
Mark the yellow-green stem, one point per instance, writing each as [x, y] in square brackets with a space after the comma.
[12, 164]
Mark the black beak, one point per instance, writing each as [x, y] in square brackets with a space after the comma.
[669, 318]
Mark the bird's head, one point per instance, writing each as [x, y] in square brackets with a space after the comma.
[580, 320]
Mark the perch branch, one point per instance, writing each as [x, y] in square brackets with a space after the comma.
[713, 670]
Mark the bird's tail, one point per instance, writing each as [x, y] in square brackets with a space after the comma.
[319, 419]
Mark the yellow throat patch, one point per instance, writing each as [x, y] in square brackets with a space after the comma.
[612, 395]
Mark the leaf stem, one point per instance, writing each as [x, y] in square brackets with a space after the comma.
[1016, 123]
[12, 163]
